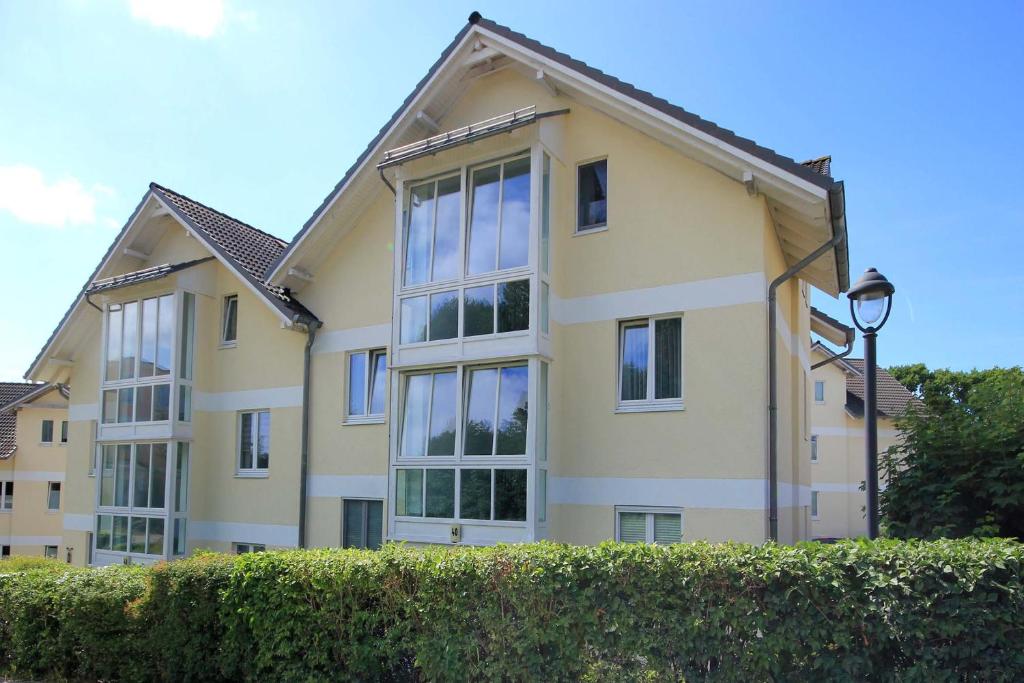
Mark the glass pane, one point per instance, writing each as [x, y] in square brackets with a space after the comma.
[444, 315]
[475, 494]
[632, 527]
[442, 415]
[414, 320]
[180, 529]
[542, 495]
[64, 431]
[104, 526]
[181, 479]
[668, 528]
[129, 339]
[355, 520]
[545, 303]
[409, 493]
[418, 234]
[147, 357]
[114, 323]
[377, 392]
[165, 335]
[542, 414]
[510, 495]
[374, 524]
[440, 493]
[478, 311]
[138, 535]
[155, 542]
[446, 231]
[483, 225]
[819, 391]
[158, 475]
[668, 358]
[245, 442]
[53, 500]
[513, 306]
[480, 413]
[230, 329]
[110, 406]
[634, 362]
[357, 384]
[141, 496]
[107, 475]
[545, 216]
[512, 411]
[144, 404]
[184, 403]
[47, 432]
[161, 402]
[124, 404]
[119, 534]
[593, 195]
[263, 441]
[515, 215]
[414, 419]
[814, 503]
[121, 479]
[188, 327]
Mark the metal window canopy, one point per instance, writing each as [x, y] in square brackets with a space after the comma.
[466, 134]
[144, 275]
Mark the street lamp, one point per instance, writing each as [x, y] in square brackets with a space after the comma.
[870, 304]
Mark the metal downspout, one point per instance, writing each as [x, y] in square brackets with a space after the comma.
[311, 329]
[773, 419]
[836, 356]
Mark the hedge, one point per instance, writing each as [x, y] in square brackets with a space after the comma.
[887, 610]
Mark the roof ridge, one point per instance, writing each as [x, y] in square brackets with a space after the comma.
[164, 188]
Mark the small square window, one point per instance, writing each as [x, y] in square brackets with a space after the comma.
[592, 191]
[229, 324]
[363, 524]
[50, 552]
[47, 433]
[243, 548]
[5, 551]
[652, 525]
[819, 391]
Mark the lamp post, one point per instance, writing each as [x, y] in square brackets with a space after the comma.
[872, 294]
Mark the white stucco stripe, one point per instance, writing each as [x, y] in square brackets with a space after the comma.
[281, 397]
[28, 475]
[78, 522]
[345, 486]
[82, 412]
[230, 532]
[31, 540]
[337, 341]
[851, 431]
[684, 296]
[791, 340]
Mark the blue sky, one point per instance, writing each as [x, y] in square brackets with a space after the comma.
[258, 108]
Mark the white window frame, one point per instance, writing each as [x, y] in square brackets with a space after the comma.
[49, 493]
[254, 471]
[597, 227]
[243, 547]
[650, 511]
[47, 551]
[366, 518]
[226, 301]
[650, 404]
[7, 496]
[815, 506]
[821, 383]
[815, 455]
[42, 433]
[370, 357]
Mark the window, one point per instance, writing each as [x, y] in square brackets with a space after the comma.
[367, 373]
[428, 421]
[511, 314]
[254, 441]
[484, 493]
[814, 448]
[229, 324]
[5, 551]
[63, 431]
[814, 505]
[53, 496]
[47, 433]
[653, 525]
[243, 548]
[496, 415]
[592, 189]
[6, 496]
[88, 548]
[651, 374]
[140, 335]
[499, 217]
[362, 524]
[134, 534]
[819, 391]
[50, 552]
[133, 476]
[432, 232]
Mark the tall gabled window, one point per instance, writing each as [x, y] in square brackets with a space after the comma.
[432, 232]
[229, 320]
[592, 199]
[47, 432]
[651, 363]
[254, 442]
[499, 224]
[367, 373]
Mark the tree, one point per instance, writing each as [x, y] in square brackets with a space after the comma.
[959, 467]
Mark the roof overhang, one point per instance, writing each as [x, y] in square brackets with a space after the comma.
[33, 395]
[807, 208]
[830, 329]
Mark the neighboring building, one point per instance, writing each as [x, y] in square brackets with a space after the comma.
[550, 321]
[837, 431]
[33, 448]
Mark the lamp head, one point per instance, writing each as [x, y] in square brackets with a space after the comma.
[871, 293]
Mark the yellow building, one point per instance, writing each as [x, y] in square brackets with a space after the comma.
[837, 450]
[33, 450]
[541, 304]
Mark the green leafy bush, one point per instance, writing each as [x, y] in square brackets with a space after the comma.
[889, 610]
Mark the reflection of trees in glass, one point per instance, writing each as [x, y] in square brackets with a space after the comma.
[513, 306]
[479, 437]
[475, 494]
[634, 381]
[444, 315]
[443, 442]
[510, 495]
[478, 311]
[512, 432]
[440, 493]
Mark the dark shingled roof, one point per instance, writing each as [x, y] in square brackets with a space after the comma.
[893, 397]
[11, 392]
[822, 165]
[144, 275]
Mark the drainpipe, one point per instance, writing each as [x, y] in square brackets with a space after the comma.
[837, 205]
[311, 329]
[836, 356]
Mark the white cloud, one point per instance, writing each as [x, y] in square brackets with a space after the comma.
[25, 193]
[197, 18]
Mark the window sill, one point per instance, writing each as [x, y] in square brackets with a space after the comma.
[363, 420]
[63, 443]
[590, 231]
[228, 345]
[668, 407]
[52, 512]
[253, 474]
[46, 444]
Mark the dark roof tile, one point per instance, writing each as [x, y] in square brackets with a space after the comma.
[893, 397]
[11, 392]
